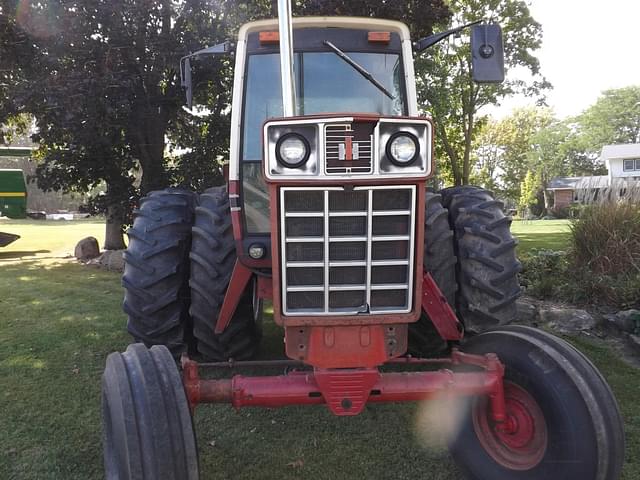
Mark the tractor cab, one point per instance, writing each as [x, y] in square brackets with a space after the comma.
[380, 84]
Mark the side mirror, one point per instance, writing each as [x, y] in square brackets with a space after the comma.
[185, 66]
[487, 54]
[185, 80]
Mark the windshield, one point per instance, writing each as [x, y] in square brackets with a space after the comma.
[324, 84]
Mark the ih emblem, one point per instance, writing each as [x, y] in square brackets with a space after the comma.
[349, 150]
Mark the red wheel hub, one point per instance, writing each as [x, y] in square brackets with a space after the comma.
[520, 442]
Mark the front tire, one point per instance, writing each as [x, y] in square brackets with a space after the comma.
[568, 424]
[146, 422]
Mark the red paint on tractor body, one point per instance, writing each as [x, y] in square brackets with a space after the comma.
[346, 391]
[346, 346]
[435, 305]
[239, 279]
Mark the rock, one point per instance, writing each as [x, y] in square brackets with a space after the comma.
[527, 312]
[112, 260]
[626, 320]
[567, 320]
[86, 249]
[634, 340]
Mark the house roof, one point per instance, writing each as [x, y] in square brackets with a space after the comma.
[628, 150]
[578, 183]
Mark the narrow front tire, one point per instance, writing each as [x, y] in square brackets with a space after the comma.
[566, 422]
[146, 423]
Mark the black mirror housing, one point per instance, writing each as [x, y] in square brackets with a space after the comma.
[185, 66]
[487, 53]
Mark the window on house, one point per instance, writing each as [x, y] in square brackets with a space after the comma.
[632, 165]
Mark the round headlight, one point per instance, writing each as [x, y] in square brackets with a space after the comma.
[403, 149]
[256, 251]
[292, 150]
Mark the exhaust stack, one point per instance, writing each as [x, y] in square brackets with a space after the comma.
[286, 58]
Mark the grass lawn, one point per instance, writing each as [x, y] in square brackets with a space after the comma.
[59, 322]
[49, 238]
[541, 234]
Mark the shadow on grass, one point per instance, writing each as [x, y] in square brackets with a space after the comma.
[20, 254]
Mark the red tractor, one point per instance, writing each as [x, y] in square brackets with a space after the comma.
[326, 214]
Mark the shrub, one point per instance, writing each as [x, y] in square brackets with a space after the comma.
[605, 252]
[602, 264]
[544, 273]
[606, 239]
[571, 211]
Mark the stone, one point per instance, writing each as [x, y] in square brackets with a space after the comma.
[527, 312]
[113, 260]
[86, 249]
[634, 340]
[567, 320]
[625, 320]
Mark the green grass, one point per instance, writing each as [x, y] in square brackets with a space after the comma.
[48, 237]
[541, 234]
[59, 322]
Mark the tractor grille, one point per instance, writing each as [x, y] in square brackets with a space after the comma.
[347, 252]
[347, 150]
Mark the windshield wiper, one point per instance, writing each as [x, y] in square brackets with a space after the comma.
[358, 68]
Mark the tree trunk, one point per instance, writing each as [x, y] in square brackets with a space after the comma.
[548, 199]
[452, 154]
[113, 238]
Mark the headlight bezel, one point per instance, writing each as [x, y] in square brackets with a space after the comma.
[395, 136]
[284, 138]
[313, 130]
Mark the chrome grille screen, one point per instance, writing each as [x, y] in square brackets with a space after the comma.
[347, 252]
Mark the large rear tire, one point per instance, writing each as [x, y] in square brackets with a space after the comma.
[156, 269]
[440, 262]
[146, 422]
[487, 268]
[568, 424]
[213, 256]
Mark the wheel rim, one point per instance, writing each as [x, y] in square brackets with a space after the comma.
[523, 443]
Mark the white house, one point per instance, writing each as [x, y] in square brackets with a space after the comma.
[623, 165]
[623, 161]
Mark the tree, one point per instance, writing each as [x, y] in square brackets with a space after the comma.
[14, 47]
[102, 83]
[529, 189]
[614, 118]
[446, 87]
[420, 15]
[101, 79]
[517, 132]
[503, 149]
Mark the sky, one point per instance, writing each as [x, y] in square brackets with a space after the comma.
[588, 46]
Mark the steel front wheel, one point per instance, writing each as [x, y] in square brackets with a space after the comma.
[146, 423]
[564, 422]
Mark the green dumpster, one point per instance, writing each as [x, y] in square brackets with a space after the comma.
[13, 193]
[13, 199]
